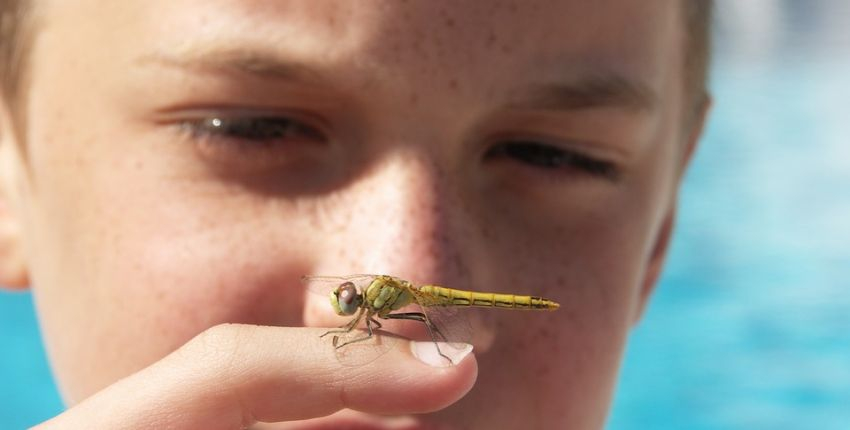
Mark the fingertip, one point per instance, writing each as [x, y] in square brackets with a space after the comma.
[448, 383]
[419, 380]
[460, 377]
[440, 354]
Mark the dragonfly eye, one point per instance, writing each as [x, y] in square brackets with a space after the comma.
[346, 299]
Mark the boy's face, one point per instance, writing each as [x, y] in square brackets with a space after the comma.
[187, 161]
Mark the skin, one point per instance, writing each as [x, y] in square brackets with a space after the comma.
[140, 239]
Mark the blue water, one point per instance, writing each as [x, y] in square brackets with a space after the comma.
[750, 326]
[27, 393]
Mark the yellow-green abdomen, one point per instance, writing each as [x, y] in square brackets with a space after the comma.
[441, 296]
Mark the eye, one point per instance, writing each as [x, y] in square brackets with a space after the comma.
[347, 299]
[245, 141]
[256, 131]
[347, 292]
[550, 157]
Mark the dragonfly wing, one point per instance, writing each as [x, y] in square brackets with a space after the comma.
[451, 324]
[308, 278]
[323, 285]
[362, 349]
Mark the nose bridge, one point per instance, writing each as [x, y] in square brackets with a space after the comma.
[402, 221]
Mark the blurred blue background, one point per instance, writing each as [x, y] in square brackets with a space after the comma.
[750, 326]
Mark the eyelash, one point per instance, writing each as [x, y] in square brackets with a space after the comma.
[549, 157]
[250, 132]
[245, 133]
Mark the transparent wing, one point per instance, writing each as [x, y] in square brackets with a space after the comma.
[451, 322]
[323, 285]
[448, 324]
[363, 351]
[360, 349]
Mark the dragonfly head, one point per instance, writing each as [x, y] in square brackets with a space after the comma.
[345, 299]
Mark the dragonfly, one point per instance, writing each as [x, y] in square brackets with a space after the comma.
[365, 297]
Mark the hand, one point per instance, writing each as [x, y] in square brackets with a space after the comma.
[232, 376]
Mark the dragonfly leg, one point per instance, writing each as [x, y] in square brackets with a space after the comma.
[432, 329]
[369, 321]
[348, 327]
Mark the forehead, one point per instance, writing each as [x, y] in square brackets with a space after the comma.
[473, 38]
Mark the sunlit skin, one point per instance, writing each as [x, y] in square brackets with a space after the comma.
[531, 147]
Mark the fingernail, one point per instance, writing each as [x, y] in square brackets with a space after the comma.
[428, 353]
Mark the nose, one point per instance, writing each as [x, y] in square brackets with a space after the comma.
[402, 218]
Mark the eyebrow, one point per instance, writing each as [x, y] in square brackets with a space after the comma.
[239, 60]
[597, 91]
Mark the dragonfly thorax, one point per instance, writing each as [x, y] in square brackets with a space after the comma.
[386, 294]
[345, 299]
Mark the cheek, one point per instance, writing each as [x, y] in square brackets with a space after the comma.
[135, 266]
[201, 279]
[590, 256]
[203, 260]
[589, 260]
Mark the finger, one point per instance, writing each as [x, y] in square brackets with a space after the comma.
[231, 376]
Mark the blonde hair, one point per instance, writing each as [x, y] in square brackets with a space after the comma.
[16, 31]
[698, 18]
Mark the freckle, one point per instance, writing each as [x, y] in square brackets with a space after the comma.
[505, 48]
[342, 254]
[486, 233]
[414, 99]
[543, 371]
[417, 46]
[159, 296]
[491, 39]
[453, 84]
[522, 343]
[560, 282]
